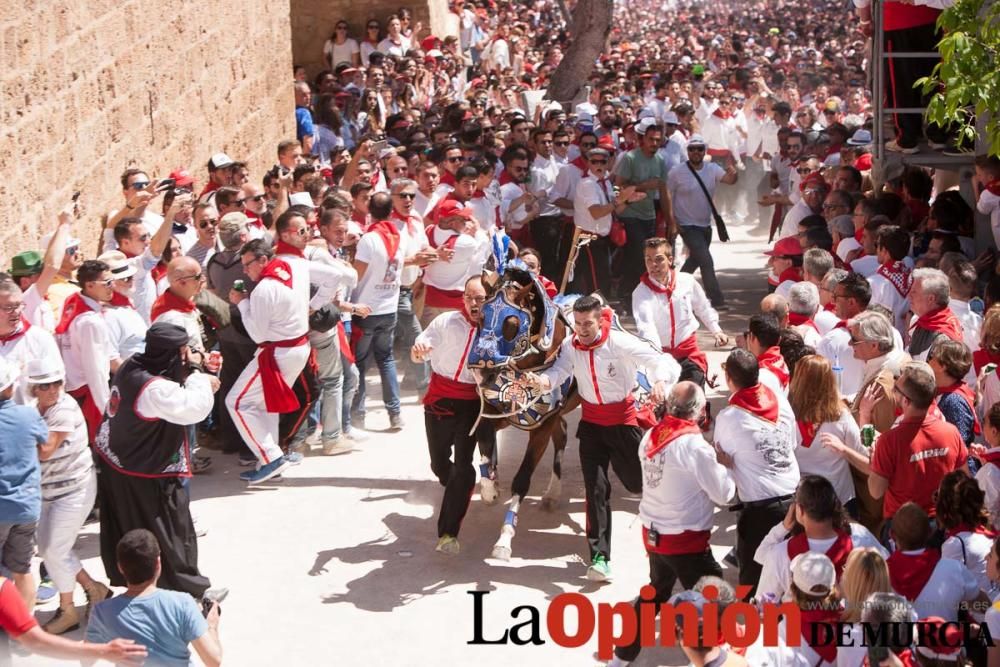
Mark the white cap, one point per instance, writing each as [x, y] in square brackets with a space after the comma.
[646, 112]
[8, 374]
[70, 242]
[643, 125]
[220, 160]
[301, 199]
[586, 108]
[118, 264]
[696, 140]
[813, 573]
[584, 119]
[671, 118]
[43, 370]
[685, 60]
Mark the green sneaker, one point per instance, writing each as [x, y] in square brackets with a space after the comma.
[599, 569]
[447, 545]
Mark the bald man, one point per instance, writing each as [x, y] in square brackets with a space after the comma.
[176, 305]
[777, 305]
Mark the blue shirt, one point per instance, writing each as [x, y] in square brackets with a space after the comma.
[22, 429]
[165, 622]
[957, 412]
[303, 123]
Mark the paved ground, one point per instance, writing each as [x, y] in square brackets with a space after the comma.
[337, 561]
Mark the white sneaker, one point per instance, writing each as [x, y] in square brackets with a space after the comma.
[337, 446]
[355, 434]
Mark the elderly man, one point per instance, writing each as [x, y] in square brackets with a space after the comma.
[836, 203]
[826, 318]
[144, 455]
[803, 305]
[776, 305]
[785, 263]
[814, 190]
[20, 342]
[756, 437]
[682, 482]
[930, 294]
[176, 305]
[604, 361]
[255, 203]
[850, 296]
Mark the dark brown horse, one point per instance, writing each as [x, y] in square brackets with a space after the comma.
[521, 331]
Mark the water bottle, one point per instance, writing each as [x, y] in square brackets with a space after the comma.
[838, 372]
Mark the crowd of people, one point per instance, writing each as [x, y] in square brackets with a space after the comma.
[239, 312]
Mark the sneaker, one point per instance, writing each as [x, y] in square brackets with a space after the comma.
[396, 422]
[316, 436]
[66, 620]
[448, 545]
[200, 464]
[894, 147]
[599, 569]
[337, 446]
[45, 593]
[355, 435]
[266, 472]
[731, 559]
[294, 457]
[247, 462]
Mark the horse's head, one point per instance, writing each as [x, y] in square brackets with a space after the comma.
[506, 318]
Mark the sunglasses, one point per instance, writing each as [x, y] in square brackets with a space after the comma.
[139, 185]
[696, 149]
[587, 147]
[208, 222]
[195, 276]
[45, 386]
[407, 195]
[599, 161]
[562, 144]
[259, 198]
[456, 159]
[341, 27]
[240, 202]
[373, 27]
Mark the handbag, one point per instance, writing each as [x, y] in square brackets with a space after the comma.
[720, 224]
[617, 235]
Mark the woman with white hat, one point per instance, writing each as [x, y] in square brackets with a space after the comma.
[69, 487]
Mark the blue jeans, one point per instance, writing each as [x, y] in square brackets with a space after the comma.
[698, 240]
[636, 233]
[407, 330]
[376, 340]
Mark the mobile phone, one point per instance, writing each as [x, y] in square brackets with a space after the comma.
[206, 606]
[76, 195]
[379, 146]
[165, 184]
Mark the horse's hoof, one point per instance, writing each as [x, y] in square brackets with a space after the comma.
[488, 491]
[501, 553]
[549, 504]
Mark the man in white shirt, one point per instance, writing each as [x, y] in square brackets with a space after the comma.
[379, 262]
[276, 317]
[803, 304]
[20, 340]
[594, 205]
[664, 305]
[125, 325]
[451, 408]
[547, 228]
[139, 194]
[817, 265]
[85, 342]
[604, 361]
[850, 296]
[674, 150]
[890, 282]
[693, 213]
[682, 482]
[456, 231]
[428, 179]
[962, 281]
[518, 206]
[756, 437]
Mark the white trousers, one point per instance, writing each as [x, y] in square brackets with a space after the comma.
[245, 402]
[58, 527]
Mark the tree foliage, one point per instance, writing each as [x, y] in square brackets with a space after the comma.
[965, 85]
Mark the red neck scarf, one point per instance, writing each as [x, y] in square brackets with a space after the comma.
[994, 187]
[982, 357]
[966, 528]
[811, 617]
[991, 457]
[941, 321]
[837, 553]
[898, 274]
[581, 164]
[72, 308]
[772, 360]
[669, 429]
[759, 400]
[448, 178]
[158, 272]
[389, 235]
[17, 332]
[793, 273]
[808, 432]
[858, 234]
[830, 307]
[966, 393]
[121, 301]
[667, 289]
[909, 573]
[797, 319]
[410, 229]
[506, 178]
[170, 301]
[280, 270]
[282, 248]
[601, 339]
[724, 115]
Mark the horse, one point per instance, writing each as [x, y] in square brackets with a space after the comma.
[521, 330]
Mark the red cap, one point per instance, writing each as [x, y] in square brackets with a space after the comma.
[475, 83]
[814, 179]
[864, 163]
[428, 43]
[450, 208]
[950, 638]
[181, 177]
[786, 247]
[606, 142]
[399, 124]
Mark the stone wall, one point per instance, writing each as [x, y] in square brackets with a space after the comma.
[313, 22]
[89, 88]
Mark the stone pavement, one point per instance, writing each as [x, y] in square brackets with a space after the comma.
[337, 562]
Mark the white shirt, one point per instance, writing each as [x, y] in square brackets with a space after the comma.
[688, 200]
[33, 343]
[949, 585]
[666, 322]
[972, 323]
[182, 404]
[836, 347]
[796, 214]
[391, 48]
[810, 336]
[341, 53]
[764, 464]
[144, 287]
[826, 320]
[818, 460]
[988, 477]
[607, 374]
[866, 265]
[513, 217]
[470, 255]
[591, 191]
[127, 330]
[681, 484]
[674, 151]
[37, 310]
[884, 293]
[971, 549]
[190, 322]
[720, 134]
[422, 204]
[567, 180]
[776, 566]
[484, 210]
[379, 286]
[544, 173]
[87, 351]
[450, 336]
[989, 204]
[275, 312]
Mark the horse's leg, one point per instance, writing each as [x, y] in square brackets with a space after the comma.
[486, 435]
[550, 499]
[538, 440]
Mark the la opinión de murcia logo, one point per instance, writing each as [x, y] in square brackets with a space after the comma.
[740, 624]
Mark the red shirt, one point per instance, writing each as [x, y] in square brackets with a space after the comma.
[15, 619]
[914, 456]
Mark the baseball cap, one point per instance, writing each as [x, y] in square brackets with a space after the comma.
[786, 247]
[813, 573]
[26, 263]
[949, 648]
[181, 177]
[301, 199]
[450, 208]
[219, 160]
[643, 125]
[696, 140]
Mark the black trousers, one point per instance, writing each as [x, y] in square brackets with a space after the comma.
[902, 73]
[751, 528]
[306, 389]
[592, 272]
[546, 234]
[235, 357]
[692, 372]
[600, 446]
[664, 571]
[161, 506]
[447, 423]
